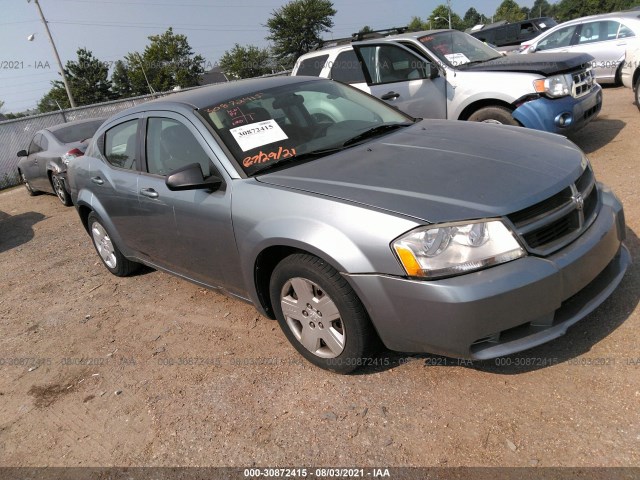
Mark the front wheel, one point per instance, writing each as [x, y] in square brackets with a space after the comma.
[321, 315]
[497, 115]
[108, 251]
[58, 186]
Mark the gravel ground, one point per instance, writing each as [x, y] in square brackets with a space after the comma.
[151, 370]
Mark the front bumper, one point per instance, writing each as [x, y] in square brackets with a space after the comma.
[545, 114]
[504, 309]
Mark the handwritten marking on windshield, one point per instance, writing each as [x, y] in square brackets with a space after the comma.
[262, 157]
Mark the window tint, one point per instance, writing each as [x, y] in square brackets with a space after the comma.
[625, 32]
[388, 64]
[598, 32]
[312, 66]
[558, 39]
[347, 68]
[170, 145]
[34, 146]
[120, 145]
[77, 133]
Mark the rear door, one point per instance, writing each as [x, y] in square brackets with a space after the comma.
[600, 39]
[402, 78]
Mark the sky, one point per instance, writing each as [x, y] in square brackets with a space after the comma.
[113, 28]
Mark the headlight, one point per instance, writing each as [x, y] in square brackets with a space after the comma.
[556, 86]
[452, 249]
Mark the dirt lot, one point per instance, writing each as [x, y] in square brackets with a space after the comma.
[151, 370]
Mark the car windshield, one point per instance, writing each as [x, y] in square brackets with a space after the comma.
[78, 132]
[455, 48]
[293, 122]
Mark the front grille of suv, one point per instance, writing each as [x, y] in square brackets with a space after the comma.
[583, 82]
[553, 223]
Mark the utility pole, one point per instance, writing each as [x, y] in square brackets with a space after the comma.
[449, 8]
[55, 52]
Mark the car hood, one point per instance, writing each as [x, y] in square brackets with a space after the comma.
[541, 63]
[440, 171]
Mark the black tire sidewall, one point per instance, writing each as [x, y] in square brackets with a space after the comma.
[123, 266]
[500, 114]
[67, 198]
[357, 327]
[636, 91]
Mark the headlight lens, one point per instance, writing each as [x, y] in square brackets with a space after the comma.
[444, 250]
[556, 86]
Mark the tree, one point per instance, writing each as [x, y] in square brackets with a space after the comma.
[542, 8]
[366, 29]
[120, 83]
[509, 11]
[526, 12]
[167, 62]
[1, 104]
[88, 80]
[296, 28]
[570, 9]
[472, 18]
[246, 62]
[442, 11]
[416, 24]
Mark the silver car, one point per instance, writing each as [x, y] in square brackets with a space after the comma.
[604, 37]
[43, 166]
[352, 223]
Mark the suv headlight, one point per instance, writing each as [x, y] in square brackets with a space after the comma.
[554, 87]
[453, 249]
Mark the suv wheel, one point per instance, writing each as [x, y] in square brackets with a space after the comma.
[320, 314]
[109, 253]
[498, 115]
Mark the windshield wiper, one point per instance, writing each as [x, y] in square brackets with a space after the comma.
[298, 158]
[374, 131]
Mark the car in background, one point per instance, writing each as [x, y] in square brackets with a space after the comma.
[451, 75]
[42, 167]
[605, 37]
[631, 70]
[353, 223]
[503, 34]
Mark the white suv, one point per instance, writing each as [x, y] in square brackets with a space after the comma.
[451, 75]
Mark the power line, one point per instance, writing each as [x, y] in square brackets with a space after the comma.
[155, 26]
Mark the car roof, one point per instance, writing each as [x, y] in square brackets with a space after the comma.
[630, 14]
[211, 94]
[60, 126]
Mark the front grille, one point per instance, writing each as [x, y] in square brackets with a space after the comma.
[553, 223]
[583, 82]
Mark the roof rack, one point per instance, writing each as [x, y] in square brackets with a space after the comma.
[355, 37]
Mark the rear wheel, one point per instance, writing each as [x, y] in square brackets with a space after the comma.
[108, 251]
[27, 185]
[497, 115]
[320, 314]
[58, 187]
[636, 89]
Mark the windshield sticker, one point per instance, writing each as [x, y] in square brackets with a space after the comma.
[258, 134]
[457, 58]
[262, 157]
[234, 103]
[238, 117]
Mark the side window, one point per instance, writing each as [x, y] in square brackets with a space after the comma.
[625, 32]
[312, 66]
[558, 39]
[598, 32]
[347, 68]
[120, 145]
[170, 145]
[44, 143]
[389, 63]
[34, 146]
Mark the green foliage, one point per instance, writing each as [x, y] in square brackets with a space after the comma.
[366, 29]
[570, 9]
[88, 80]
[442, 11]
[296, 28]
[542, 8]
[167, 62]
[472, 17]
[416, 24]
[246, 62]
[509, 11]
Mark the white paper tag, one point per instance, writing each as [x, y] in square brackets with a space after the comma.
[258, 134]
[457, 58]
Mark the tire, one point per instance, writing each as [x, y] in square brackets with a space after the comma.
[636, 90]
[59, 189]
[27, 185]
[108, 251]
[337, 334]
[497, 115]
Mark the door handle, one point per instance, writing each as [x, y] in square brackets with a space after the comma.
[390, 96]
[149, 192]
[97, 180]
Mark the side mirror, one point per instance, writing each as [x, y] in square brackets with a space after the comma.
[532, 49]
[434, 71]
[190, 177]
[23, 153]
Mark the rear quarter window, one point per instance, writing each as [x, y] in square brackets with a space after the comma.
[312, 66]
